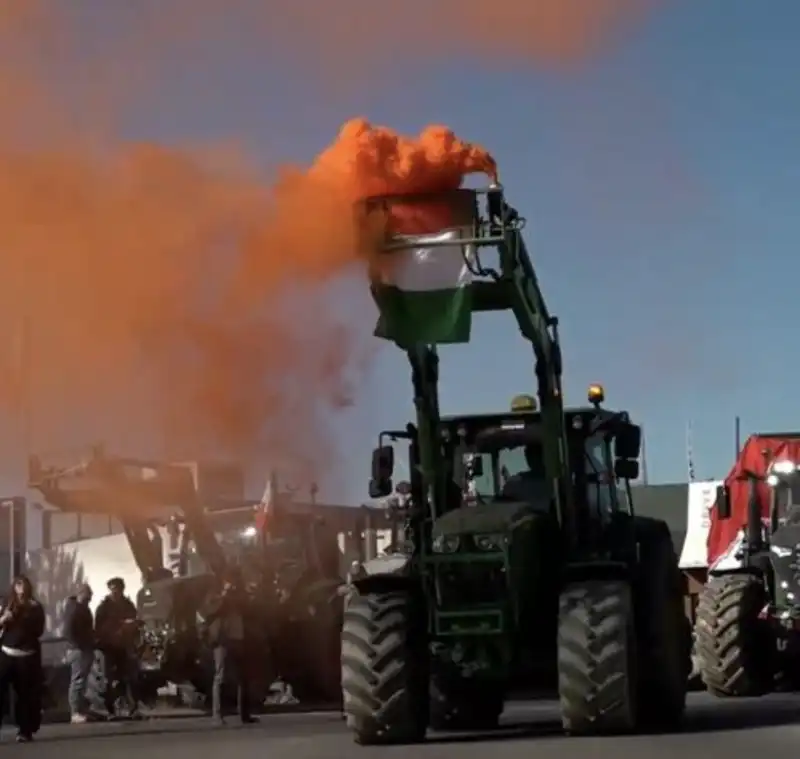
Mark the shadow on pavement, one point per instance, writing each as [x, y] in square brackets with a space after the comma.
[513, 731]
[109, 731]
[741, 715]
[165, 727]
[722, 716]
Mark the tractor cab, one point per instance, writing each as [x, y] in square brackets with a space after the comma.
[500, 457]
[496, 465]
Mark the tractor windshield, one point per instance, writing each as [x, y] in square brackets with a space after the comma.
[503, 470]
[787, 495]
[238, 539]
[508, 464]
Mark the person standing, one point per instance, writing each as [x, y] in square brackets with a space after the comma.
[116, 627]
[79, 632]
[22, 623]
[226, 620]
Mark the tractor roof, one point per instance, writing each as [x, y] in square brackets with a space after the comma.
[509, 417]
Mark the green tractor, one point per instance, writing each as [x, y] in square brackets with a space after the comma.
[524, 568]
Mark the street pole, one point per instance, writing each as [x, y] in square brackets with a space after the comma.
[10, 504]
[12, 528]
[26, 406]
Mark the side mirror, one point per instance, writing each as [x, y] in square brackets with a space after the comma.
[383, 463]
[380, 484]
[628, 441]
[723, 503]
[380, 488]
[626, 469]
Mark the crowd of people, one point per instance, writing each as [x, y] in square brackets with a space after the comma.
[112, 630]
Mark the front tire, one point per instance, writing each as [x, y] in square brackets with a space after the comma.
[596, 658]
[384, 669]
[731, 642]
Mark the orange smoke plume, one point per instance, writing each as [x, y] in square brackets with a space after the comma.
[154, 266]
[181, 291]
[378, 161]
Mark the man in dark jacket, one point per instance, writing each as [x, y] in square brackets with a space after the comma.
[226, 620]
[79, 633]
[116, 629]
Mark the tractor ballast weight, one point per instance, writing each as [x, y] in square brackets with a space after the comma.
[523, 566]
[747, 632]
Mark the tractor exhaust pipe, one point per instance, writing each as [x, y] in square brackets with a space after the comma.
[755, 531]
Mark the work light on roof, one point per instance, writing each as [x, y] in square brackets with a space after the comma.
[596, 394]
[783, 466]
[523, 403]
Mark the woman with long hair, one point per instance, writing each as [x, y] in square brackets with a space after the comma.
[21, 628]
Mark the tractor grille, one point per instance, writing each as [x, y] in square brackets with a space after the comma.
[471, 584]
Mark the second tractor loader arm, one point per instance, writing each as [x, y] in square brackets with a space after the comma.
[136, 492]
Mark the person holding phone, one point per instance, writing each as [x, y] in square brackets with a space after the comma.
[22, 621]
[116, 628]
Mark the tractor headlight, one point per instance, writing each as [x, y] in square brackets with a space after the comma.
[784, 466]
[489, 542]
[773, 480]
[446, 544]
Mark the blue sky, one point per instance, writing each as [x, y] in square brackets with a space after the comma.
[661, 185]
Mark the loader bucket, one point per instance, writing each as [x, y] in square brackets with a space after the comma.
[397, 222]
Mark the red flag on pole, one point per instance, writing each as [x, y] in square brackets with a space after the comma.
[266, 505]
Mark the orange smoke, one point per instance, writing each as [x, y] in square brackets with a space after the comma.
[378, 161]
[181, 291]
[156, 267]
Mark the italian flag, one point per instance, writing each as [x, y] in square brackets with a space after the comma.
[423, 293]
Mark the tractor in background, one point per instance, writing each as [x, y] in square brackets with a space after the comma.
[290, 564]
[748, 618]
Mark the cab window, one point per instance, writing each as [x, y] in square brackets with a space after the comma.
[600, 481]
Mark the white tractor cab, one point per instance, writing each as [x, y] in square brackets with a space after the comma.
[748, 618]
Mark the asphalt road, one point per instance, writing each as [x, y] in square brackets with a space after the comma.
[714, 729]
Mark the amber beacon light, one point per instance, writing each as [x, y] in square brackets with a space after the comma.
[596, 394]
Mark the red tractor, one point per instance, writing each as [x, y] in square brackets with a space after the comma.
[748, 615]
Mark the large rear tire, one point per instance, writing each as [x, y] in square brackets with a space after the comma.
[597, 658]
[384, 669]
[731, 642]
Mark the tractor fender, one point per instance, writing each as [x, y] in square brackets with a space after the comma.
[382, 574]
[387, 564]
